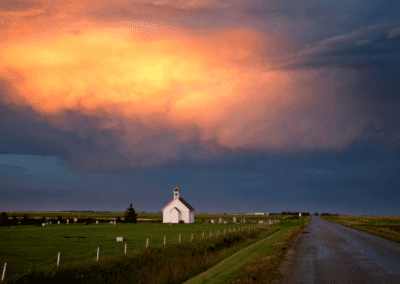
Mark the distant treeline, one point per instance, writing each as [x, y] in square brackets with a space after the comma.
[328, 214]
[291, 213]
[82, 211]
[14, 221]
[77, 211]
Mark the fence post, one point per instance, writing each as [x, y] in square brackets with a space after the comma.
[179, 237]
[58, 259]
[224, 231]
[4, 271]
[98, 250]
[147, 243]
[192, 236]
[164, 239]
[203, 235]
[210, 233]
[125, 248]
[218, 232]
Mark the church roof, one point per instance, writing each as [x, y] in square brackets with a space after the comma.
[184, 202]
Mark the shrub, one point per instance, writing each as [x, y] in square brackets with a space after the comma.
[14, 221]
[86, 220]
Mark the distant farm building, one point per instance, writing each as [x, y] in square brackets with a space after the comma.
[178, 209]
[259, 213]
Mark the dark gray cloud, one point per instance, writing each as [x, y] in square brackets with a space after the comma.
[83, 145]
[15, 5]
[366, 46]
[357, 39]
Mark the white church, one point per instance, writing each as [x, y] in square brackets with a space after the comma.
[178, 209]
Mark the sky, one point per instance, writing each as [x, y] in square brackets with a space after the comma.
[245, 106]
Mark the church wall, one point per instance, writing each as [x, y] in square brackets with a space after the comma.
[191, 217]
[184, 212]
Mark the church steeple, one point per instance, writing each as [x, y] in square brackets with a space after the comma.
[176, 193]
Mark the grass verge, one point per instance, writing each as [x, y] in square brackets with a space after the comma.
[173, 263]
[267, 254]
[265, 267]
[378, 230]
[389, 231]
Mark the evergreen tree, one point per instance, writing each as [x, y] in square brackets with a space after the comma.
[118, 219]
[4, 219]
[130, 215]
[14, 220]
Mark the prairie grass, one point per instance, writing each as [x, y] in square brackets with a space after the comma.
[383, 226]
[172, 263]
[363, 220]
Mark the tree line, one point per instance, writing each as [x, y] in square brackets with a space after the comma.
[291, 213]
[326, 214]
[130, 216]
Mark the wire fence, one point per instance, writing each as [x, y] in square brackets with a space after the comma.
[87, 253]
[136, 245]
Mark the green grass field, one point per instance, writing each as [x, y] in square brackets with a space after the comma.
[173, 263]
[29, 246]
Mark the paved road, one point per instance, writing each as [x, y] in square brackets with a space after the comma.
[332, 253]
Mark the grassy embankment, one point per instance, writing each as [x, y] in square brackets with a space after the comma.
[385, 227]
[259, 263]
[172, 263]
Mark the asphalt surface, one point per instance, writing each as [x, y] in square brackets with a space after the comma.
[333, 253]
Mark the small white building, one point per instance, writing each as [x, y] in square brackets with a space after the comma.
[259, 213]
[178, 209]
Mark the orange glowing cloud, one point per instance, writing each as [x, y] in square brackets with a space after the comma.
[195, 86]
[96, 69]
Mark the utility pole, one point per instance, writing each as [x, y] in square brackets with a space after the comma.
[287, 215]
